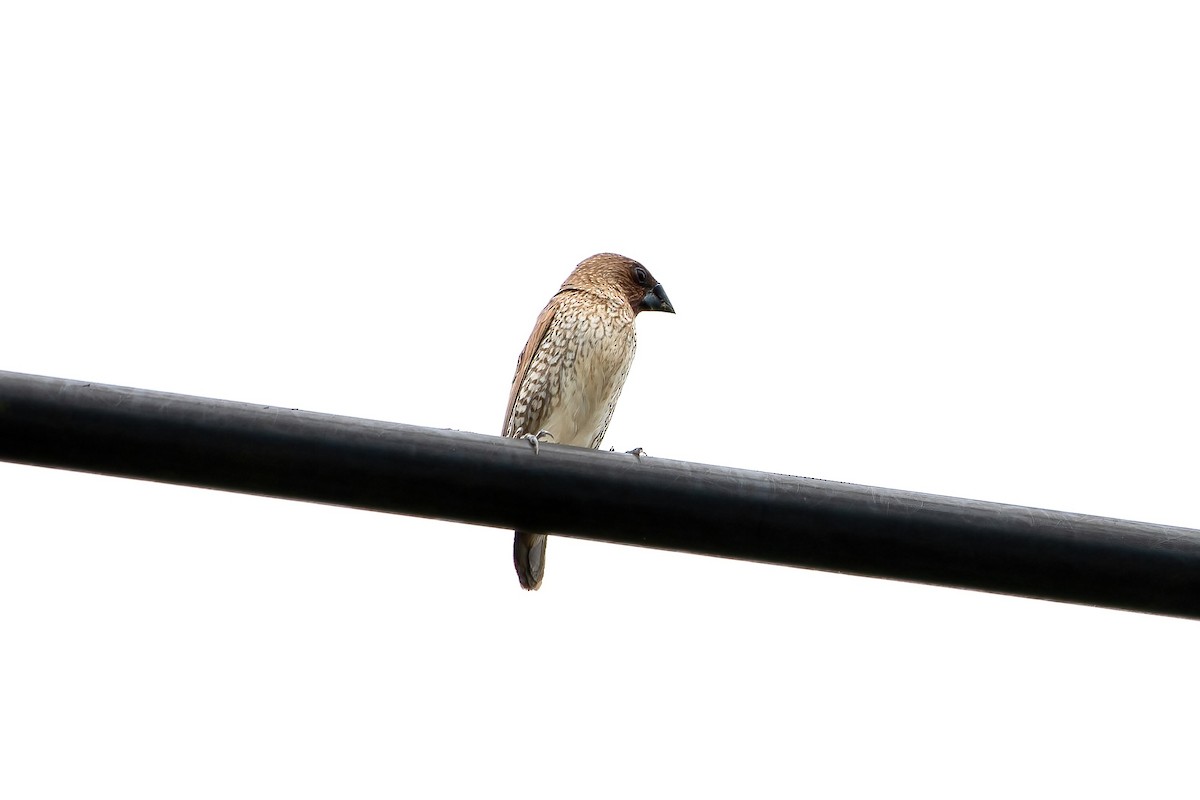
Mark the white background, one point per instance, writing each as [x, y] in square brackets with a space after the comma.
[944, 247]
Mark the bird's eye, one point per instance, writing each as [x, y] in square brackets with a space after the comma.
[640, 275]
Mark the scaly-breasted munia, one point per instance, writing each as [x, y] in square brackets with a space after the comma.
[572, 369]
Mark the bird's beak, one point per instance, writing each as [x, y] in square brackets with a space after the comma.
[656, 300]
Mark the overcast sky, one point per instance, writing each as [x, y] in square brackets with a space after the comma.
[931, 246]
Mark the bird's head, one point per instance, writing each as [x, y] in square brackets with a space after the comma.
[620, 277]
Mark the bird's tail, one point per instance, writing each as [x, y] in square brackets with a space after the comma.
[529, 557]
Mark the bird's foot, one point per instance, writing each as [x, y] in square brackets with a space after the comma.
[639, 452]
[534, 438]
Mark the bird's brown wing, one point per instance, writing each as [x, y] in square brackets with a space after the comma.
[529, 549]
[540, 329]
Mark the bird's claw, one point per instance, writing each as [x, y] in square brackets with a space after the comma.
[534, 438]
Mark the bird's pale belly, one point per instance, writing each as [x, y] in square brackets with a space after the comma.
[587, 394]
[577, 418]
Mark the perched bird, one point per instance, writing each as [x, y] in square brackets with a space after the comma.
[571, 371]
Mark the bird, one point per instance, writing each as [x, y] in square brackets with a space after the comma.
[571, 371]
